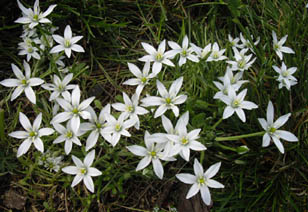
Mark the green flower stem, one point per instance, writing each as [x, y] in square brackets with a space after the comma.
[2, 125]
[225, 147]
[237, 137]
[217, 123]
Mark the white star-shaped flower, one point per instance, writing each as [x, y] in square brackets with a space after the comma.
[170, 130]
[168, 100]
[216, 53]
[68, 135]
[202, 53]
[27, 47]
[184, 51]
[152, 153]
[141, 79]
[228, 80]
[247, 44]
[96, 126]
[73, 110]
[285, 76]
[271, 128]
[116, 128]
[159, 56]
[236, 103]
[32, 134]
[201, 181]
[234, 41]
[67, 43]
[185, 141]
[35, 16]
[242, 62]
[83, 171]
[59, 87]
[130, 108]
[23, 83]
[277, 45]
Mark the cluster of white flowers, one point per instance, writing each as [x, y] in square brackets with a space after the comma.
[285, 77]
[73, 117]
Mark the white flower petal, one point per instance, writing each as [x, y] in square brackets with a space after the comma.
[228, 112]
[194, 189]
[214, 184]
[56, 49]
[38, 143]
[281, 120]
[88, 160]
[68, 146]
[278, 144]
[70, 170]
[77, 48]
[158, 168]
[10, 82]
[45, 131]
[94, 172]
[24, 121]
[77, 179]
[24, 147]
[89, 183]
[137, 150]
[187, 178]
[205, 195]
[212, 171]
[61, 117]
[143, 163]
[19, 134]
[91, 140]
[286, 135]
[77, 161]
[30, 94]
[266, 140]
[198, 169]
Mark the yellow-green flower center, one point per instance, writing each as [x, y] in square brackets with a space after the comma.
[184, 141]
[233, 80]
[67, 43]
[98, 125]
[184, 53]
[285, 73]
[168, 101]
[159, 56]
[32, 134]
[30, 50]
[236, 103]
[24, 82]
[276, 46]
[36, 17]
[69, 134]
[143, 80]
[215, 55]
[29, 42]
[83, 170]
[153, 153]
[272, 130]
[130, 108]
[118, 127]
[75, 111]
[225, 91]
[60, 88]
[241, 63]
[201, 181]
